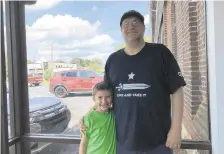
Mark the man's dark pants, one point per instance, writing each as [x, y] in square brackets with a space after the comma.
[161, 149]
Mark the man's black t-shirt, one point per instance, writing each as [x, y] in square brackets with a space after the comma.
[142, 87]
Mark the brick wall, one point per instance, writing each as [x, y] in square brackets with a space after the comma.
[185, 35]
[168, 24]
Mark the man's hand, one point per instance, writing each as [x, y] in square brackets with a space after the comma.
[174, 138]
[83, 145]
[82, 127]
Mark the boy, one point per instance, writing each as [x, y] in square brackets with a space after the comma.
[100, 136]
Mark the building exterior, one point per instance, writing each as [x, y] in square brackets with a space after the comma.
[35, 68]
[181, 26]
[39, 68]
[58, 66]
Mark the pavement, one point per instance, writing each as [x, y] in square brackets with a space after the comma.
[79, 104]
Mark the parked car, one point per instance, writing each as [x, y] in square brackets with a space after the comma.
[48, 115]
[78, 80]
[34, 79]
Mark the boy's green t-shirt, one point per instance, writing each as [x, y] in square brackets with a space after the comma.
[100, 133]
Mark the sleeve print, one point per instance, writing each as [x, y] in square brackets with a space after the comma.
[173, 75]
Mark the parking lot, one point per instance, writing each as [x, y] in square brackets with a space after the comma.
[79, 104]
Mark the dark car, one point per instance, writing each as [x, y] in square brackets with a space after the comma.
[48, 115]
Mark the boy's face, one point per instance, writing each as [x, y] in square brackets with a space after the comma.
[103, 99]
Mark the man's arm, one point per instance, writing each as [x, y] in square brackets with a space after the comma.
[83, 145]
[174, 135]
[177, 108]
[81, 121]
[174, 83]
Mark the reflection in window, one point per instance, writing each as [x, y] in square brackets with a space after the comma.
[12, 149]
[189, 151]
[58, 148]
[77, 43]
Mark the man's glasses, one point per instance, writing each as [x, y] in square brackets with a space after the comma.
[134, 23]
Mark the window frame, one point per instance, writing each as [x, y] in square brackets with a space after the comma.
[3, 115]
[16, 48]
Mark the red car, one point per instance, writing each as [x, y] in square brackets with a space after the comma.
[34, 79]
[79, 80]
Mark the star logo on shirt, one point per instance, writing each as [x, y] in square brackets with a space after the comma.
[131, 76]
[180, 74]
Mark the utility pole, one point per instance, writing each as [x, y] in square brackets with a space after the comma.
[34, 64]
[52, 52]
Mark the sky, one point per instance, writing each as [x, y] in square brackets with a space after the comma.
[71, 29]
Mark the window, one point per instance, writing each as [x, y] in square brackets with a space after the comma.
[71, 74]
[97, 74]
[63, 74]
[83, 74]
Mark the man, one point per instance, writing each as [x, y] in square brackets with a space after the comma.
[144, 75]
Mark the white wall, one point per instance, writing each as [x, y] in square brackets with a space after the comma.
[215, 45]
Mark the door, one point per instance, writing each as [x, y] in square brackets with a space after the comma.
[85, 80]
[71, 82]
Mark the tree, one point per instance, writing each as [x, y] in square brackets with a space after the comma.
[146, 38]
[29, 62]
[76, 61]
[59, 61]
[95, 64]
[97, 61]
[47, 74]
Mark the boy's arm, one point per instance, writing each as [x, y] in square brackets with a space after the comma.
[83, 145]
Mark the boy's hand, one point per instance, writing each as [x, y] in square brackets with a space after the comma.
[174, 138]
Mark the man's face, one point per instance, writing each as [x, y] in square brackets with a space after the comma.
[132, 29]
[103, 99]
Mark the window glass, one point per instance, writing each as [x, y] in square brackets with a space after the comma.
[84, 74]
[71, 74]
[62, 39]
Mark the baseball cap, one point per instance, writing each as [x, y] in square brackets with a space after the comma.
[132, 13]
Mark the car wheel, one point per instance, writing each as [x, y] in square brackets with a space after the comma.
[37, 84]
[60, 92]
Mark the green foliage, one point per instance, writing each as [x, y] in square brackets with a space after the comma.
[94, 64]
[59, 61]
[29, 62]
[47, 74]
